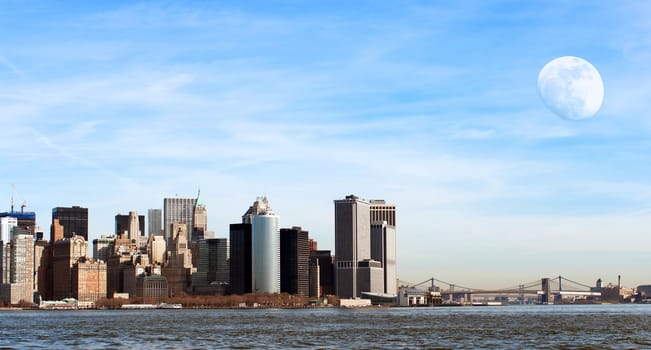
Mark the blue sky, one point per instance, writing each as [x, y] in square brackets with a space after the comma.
[431, 106]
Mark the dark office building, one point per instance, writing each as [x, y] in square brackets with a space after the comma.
[240, 260]
[122, 224]
[294, 261]
[326, 263]
[74, 220]
[218, 260]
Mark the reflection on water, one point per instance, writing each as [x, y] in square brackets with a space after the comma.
[589, 326]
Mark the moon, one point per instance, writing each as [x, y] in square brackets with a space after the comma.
[571, 87]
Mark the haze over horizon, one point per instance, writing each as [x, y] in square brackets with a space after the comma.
[115, 106]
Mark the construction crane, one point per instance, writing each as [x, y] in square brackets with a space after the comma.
[15, 193]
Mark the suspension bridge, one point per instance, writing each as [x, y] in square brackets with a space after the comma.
[548, 290]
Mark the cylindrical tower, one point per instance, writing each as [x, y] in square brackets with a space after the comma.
[265, 252]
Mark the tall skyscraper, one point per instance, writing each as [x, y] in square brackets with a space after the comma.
[178, 210]
[352, 242]
[73, 219]
[294, 261]
[240, 260]
[155, 217]
[265, 246]
[356, 270]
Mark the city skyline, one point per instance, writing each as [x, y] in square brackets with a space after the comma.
[434, 107]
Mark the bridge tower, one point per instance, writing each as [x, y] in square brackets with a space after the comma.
[546, 291]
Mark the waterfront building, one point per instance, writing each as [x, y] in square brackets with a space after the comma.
[152, 286]
[356, 271]
[66, 252]
[17, 269]
[352, 242]
[294, 261]
[178, 210]
[240, 259]
[326, 272]
[155, 222]
[218, 261]
[383, 249]
[89, 280]
[74, 220]
[103, 247]
[265, 246]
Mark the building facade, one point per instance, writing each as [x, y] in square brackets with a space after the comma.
[17, 269]
[365, 244]
[265, 247]
[294, 261]
[352, 242]
[383, 249]
[89, 280]
[240, 259]
[218, 261]
[66, 253]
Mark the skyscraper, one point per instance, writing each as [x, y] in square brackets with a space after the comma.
[352, 242]
[357, 270]
[155, 217]
[265, 246]
[218, 261]
[178, 210]
[73, 219]
[240, 260]
[383, 242]
[294, 261]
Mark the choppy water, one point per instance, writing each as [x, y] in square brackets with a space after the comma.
[515, 327]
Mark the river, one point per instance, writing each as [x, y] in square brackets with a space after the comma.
[501, 327]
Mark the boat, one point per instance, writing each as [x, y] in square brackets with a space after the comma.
[169, 306]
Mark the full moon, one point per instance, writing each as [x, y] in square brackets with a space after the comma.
[571, 87]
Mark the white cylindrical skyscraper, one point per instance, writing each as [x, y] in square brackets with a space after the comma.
[265, 252]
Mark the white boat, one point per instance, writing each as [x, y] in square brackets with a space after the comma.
[169, 306]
